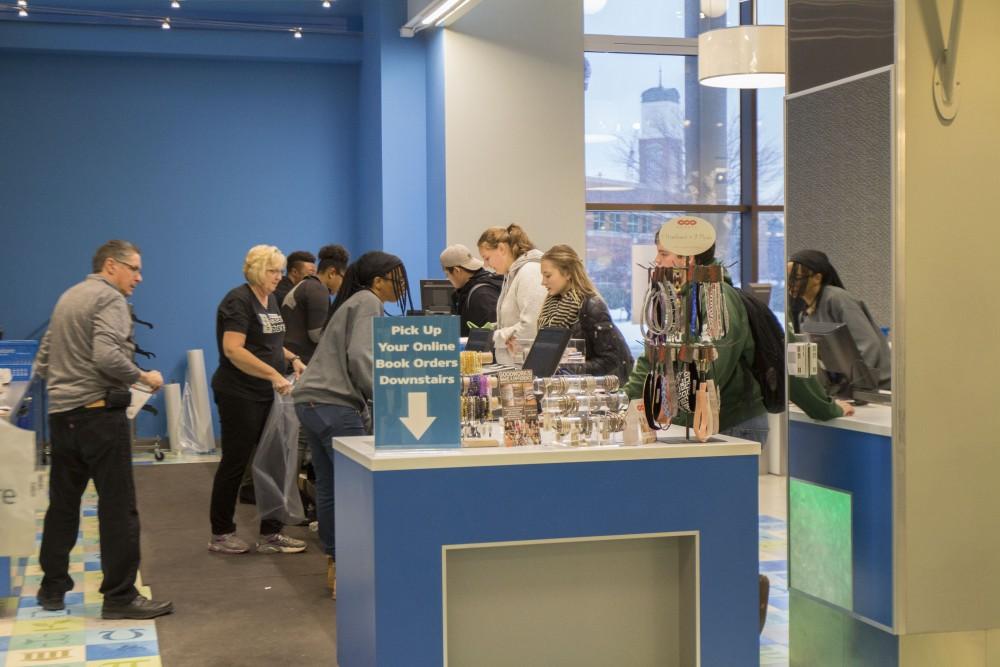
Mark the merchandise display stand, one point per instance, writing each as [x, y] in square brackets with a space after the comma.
[547, 554]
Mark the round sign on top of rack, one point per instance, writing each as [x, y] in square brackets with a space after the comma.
[687, 235]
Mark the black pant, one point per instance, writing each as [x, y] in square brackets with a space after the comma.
[242, 422]
[92, 444]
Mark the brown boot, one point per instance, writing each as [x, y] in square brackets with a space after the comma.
[331, 576]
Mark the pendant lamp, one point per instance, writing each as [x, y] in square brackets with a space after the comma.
[745, 56]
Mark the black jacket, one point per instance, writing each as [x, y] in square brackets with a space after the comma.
[476, 301]
[607, 351]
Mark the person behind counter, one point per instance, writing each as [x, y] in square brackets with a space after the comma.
[331, 398]
[574, 303]
[250, 334]
[510, 253]
[817, 294]
[476, 289]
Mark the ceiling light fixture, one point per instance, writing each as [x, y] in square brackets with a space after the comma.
[746, 56]
[22, 12]
[297, 33]
[327, 4]
[436, 13]
[166, 24]
[22, 3]
[175, 4]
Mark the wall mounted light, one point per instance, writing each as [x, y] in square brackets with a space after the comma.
[175, 4]
[166, 24]
[746, 56]
[297, 33]
[327, 4]
[22, 12]
[437, 13]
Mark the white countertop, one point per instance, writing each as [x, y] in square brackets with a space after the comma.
[361, 449]
[871, 418]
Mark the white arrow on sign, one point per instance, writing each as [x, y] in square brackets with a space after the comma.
[417, 422]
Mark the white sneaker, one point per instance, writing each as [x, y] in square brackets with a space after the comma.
[228, 543]
[279, 543]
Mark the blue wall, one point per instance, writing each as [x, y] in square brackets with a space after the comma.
[195, 160]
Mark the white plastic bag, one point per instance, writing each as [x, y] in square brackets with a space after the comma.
[276, 465]
[20, 492]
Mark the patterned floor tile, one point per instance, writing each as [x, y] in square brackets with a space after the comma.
[76, 636]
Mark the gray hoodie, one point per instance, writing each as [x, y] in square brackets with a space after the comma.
[341, 369]
[520, 299]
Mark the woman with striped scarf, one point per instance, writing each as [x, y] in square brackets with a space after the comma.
[573, 303]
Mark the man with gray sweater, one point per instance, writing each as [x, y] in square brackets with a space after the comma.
[86, 357]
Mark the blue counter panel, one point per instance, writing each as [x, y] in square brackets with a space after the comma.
[860, 464]
[391, 526]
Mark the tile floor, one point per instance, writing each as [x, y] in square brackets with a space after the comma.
[77, 637]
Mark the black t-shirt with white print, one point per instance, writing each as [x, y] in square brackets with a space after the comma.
[241, 312]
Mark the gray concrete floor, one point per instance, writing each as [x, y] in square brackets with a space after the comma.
[247, 609]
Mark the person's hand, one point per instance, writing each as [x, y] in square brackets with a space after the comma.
[512, 345]
[298, 367]
[845, 407]
[281, 385]
[151, 379]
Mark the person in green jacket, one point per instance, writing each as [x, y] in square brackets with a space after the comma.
[808, 394]
[742, 412]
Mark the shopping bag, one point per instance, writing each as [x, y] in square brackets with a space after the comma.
[276, 465]
[20, 490]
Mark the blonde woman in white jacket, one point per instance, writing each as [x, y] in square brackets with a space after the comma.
[510, 253]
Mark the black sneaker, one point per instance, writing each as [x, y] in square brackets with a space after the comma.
[139, 608]
[52, 601]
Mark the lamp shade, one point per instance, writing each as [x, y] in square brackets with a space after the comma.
[746, 56]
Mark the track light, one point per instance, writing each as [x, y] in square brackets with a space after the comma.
[327, 4]
[297, 33]
[22, 3]
[22, 12]
[175, 4]
[166, 24]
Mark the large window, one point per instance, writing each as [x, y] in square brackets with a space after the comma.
[659, 145]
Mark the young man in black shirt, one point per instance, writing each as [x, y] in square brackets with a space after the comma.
[301, 263]
[476, 289]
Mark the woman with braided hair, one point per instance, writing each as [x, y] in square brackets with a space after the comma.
[331, 398]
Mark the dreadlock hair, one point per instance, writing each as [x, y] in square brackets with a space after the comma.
[362, 274]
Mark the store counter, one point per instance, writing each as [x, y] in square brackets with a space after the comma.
[547, 554]
[840, 533]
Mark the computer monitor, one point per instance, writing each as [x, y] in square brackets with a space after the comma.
[480, 340]
[838, 353]
[546, 352]
[436, 297]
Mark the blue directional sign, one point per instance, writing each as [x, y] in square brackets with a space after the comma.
[417, 382]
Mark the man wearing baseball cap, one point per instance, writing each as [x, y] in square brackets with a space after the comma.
[476, 289]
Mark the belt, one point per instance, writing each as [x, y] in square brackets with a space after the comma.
[99, 403]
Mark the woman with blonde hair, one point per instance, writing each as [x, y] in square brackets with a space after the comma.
[509, 252]
[250, 335]
[574, 303]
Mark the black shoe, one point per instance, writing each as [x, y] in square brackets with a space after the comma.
[52, 601]
[138, 608]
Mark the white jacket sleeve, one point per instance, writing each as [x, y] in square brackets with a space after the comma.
[528, 294]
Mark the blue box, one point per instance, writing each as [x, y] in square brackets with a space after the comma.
[18, 355]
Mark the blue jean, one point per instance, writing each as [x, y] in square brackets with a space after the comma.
[754, 429]
[321, 423]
